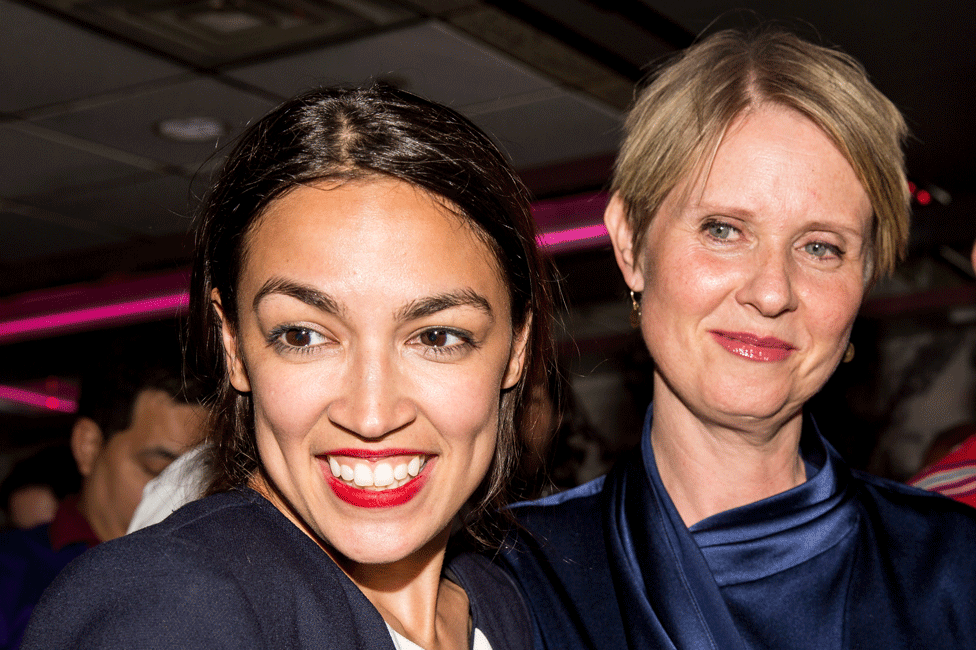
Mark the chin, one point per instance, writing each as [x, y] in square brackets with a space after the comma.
[746, 407]
[379, 545]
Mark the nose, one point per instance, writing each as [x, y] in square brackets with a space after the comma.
[769, 284]
[372, 400]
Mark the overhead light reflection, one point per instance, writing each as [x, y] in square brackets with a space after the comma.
[39, 400]
[84, 318]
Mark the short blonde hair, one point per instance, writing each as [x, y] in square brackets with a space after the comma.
[679, 120]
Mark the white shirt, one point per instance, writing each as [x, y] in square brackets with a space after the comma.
[401, 642]
[181, 482]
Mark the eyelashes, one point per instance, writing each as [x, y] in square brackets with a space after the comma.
[723, 232]
[445, 341]
[432, 341]
[823, 250]
[720, 230]
[295, 339]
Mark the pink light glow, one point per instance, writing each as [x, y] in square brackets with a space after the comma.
[31, 327]
[32, 398]
[37, 315]
[559, 237]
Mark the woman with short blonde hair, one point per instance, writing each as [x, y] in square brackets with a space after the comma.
[759, 193]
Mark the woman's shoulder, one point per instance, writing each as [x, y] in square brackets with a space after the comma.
[910, 516]
[912, 501]
[225, 571]
[576, 505]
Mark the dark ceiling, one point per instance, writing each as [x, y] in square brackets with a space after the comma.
[85, 175]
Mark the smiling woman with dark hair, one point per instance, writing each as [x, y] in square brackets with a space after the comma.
[367, 302]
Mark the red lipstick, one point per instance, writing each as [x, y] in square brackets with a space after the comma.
[752, 347]
[374, 498]
[373, 454]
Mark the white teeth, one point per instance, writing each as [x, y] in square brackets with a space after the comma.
[363, 476]
[400, 472]
[382, 475]
[379, 475]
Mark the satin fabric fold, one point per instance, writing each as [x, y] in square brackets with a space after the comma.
[666, 594]
[680, 586]
[844, 560]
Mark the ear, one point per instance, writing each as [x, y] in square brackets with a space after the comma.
[228, 337]
[516, 361]
[86, 444]
[622, 238]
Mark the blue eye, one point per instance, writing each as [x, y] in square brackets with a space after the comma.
[719, 230]
[821, 250]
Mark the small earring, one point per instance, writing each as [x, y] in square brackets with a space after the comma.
[635, 310]
[849, 353]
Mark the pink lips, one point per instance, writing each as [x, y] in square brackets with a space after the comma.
[755, 348]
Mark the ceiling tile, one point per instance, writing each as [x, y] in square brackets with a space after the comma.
[553, 129]
[36, 165]
[45, 61]
[157, 206]
[430, 59]
[128, 123]
[25, 238]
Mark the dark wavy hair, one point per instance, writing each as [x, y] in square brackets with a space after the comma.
[345, 134]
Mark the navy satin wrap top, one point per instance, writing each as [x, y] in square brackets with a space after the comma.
[845, 560]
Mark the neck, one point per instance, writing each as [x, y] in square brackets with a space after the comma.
[101, 525]
[414, 598]
[710, 467]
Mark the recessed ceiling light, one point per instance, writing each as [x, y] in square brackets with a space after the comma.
[227, 21]
[195, 129]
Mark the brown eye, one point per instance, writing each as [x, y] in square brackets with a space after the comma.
[298, 338]
[434, 338]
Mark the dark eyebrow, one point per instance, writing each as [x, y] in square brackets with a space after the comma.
[304, 293]
[434, 304]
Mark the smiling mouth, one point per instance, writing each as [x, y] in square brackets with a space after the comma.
[752, 347]
[386, 474]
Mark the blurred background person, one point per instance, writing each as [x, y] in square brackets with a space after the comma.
[134, 418]
[949, 466]
[34, 488]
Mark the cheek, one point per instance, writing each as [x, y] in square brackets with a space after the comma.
[682, 284]
[288, 401]
[462, 406]
[833, 307]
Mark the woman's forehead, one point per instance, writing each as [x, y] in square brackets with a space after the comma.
[385, 232]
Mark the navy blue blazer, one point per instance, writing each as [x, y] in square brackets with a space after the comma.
[845, 560]
[230, 571]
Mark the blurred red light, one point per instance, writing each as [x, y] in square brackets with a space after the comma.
[923, 197]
